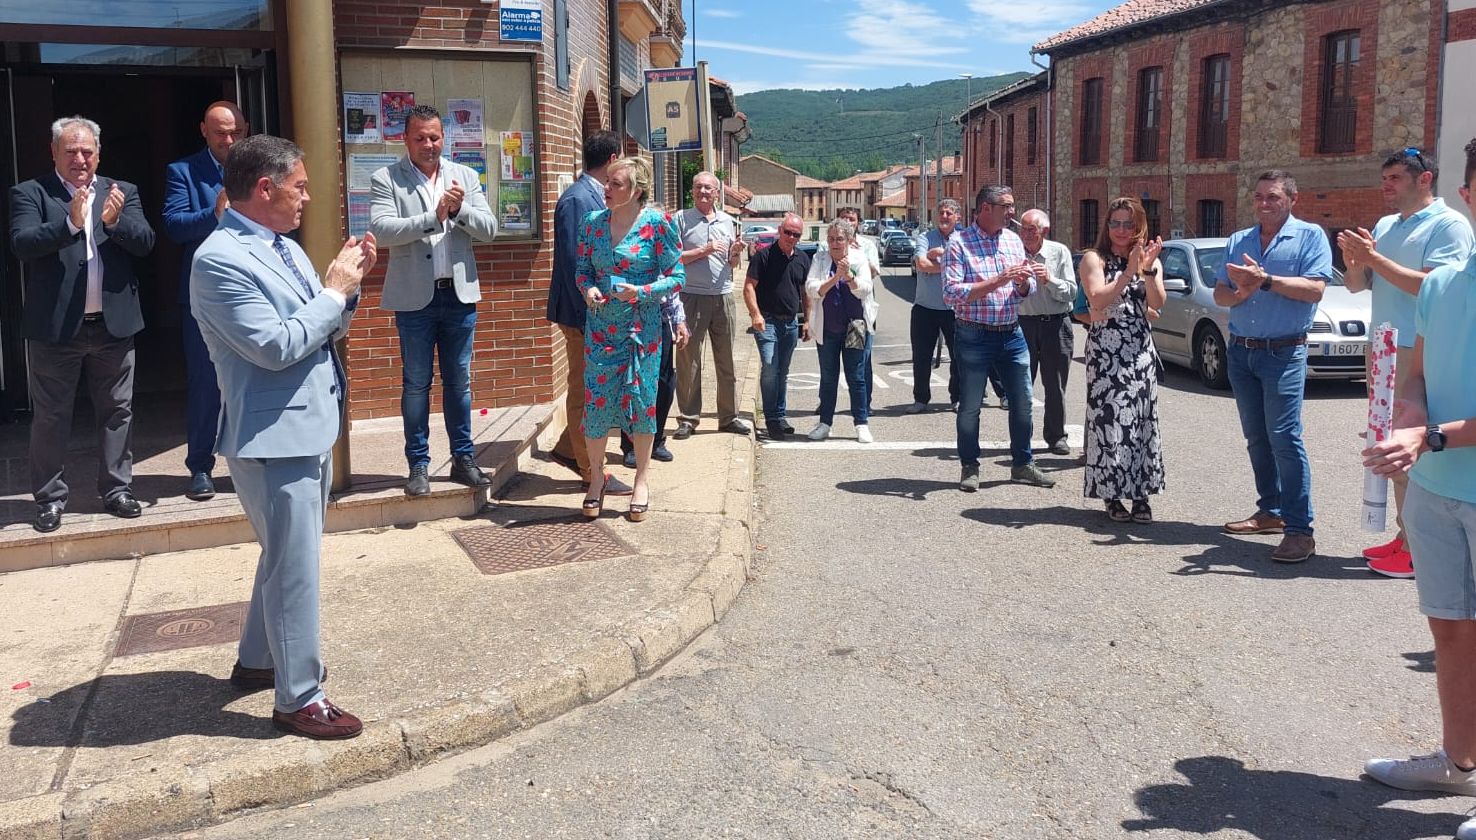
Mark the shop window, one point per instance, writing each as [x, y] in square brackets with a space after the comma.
[1150, 114]
[1091, 122]
[1089, 223]
[1338, 105]
[488, 112]
[1211, 218]
[1214, 107]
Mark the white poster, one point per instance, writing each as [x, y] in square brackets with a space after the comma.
[361, 118]
[362, 167]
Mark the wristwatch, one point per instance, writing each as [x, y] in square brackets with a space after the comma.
[1149, 272]
[1434, 438]
[1266, 284]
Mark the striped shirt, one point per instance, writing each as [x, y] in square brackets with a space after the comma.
[972, 256]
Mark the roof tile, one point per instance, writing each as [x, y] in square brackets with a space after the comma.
[1128, 14]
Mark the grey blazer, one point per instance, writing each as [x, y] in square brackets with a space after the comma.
[401, 220]
[271, 345]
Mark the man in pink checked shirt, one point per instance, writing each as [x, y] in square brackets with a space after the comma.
[985, 276]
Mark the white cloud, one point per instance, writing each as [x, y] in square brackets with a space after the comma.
[881, 59]
[721, 13]
[751, 85]
[900, 29]
[1036, 16]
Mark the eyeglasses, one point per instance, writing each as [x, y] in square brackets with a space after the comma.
[1120, 224]
[794, 233]
[1009, 206]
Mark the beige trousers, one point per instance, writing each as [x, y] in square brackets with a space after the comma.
[714, 316]
[571, 442]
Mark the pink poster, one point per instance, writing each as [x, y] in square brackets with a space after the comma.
[396, 105]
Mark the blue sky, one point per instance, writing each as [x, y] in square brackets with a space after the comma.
[822, 44]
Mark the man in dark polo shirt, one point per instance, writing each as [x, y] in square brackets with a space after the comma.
[774, 293]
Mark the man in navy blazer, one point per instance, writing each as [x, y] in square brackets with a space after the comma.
[270, 323]
[566, 306]
[77, 233]
[193, 205]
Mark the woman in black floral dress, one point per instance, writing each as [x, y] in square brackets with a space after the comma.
[1121, 277]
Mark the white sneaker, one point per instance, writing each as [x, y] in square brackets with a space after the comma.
[820, 432]
[1423, 772]
[863, 434]
[1467, 831]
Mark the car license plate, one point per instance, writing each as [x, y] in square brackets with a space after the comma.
[1344, 348]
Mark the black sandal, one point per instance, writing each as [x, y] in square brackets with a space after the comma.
[638, 511]
[1142, 513]
[593, 505]
[1117, 513]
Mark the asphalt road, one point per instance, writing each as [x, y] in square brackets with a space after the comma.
[912, 661]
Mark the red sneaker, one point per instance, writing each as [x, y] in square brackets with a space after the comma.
[1388, 549]
[1397, 565]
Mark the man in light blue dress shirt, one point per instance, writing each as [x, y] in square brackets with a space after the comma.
[1272, 280]
[1393, 260]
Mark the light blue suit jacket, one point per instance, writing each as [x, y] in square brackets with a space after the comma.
[271, 345]
[403, 222]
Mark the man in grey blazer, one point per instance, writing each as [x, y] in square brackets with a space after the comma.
[428, 210]
[270, 323]
[77, 233]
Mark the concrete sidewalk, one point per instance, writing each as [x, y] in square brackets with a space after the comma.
[441, 636]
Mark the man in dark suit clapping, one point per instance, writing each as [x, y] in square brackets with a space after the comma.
[76, 232]
[193, 205]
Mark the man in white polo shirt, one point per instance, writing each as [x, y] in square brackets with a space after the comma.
[1422, 234]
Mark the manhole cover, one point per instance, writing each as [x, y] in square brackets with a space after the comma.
[495, 549]
[197, 627]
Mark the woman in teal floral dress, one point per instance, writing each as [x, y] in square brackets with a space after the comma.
[629, 259]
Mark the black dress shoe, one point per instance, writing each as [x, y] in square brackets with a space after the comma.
[777, 433]
[124, 505]
[683, 430]
[259, 679]
[419, 481]
[788, 429]
[629, 460]
[464, 470]
[201, 487]
[48, 517]
[661, 453]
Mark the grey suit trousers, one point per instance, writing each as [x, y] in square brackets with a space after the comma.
[107, 362]
[285, 499]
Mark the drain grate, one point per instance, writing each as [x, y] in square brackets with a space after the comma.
[196, 627]
[496, 550]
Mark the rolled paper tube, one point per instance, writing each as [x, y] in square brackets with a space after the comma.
[1382, 358]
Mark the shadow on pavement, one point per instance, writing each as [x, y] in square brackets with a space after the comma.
[1222, 794]
[901, 488]
[1422, 661]
[129, 709]
[1223, 555]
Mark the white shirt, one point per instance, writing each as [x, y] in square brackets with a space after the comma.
[94, 262]
[431, 189]
[269, 236]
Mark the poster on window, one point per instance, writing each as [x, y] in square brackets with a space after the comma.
[517, 156]
[464, 124]
[515, 205]
[360, 118]
[476, 160]
[395, 105]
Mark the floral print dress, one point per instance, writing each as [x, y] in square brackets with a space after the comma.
[622, 341]
[1124, 458]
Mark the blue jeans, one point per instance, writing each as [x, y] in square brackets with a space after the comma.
[775, 347]
[980, 353]
[832, 354]
[445, 327]
[1268, 388]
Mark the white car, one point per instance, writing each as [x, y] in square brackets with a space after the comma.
[1194, 330]
[751, 230]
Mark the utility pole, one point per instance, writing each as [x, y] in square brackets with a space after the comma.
[938, 159]
[922, 180]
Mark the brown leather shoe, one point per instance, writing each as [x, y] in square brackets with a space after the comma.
[259, 679]
[1294, 548]
[1261, 523]
[321, 720]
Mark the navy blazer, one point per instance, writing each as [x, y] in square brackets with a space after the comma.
[56, 259]
[566, 305]
[191, 186]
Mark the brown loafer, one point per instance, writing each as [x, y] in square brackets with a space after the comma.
[1261, 523]
[259, 679]
[321, 720]
[1294, 548]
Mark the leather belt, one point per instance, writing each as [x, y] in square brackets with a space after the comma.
[1050, 317]
[1000, 328]
[1268, 343]
[92, 317]
[444, 282]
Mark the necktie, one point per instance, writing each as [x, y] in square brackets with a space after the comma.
[280, 247]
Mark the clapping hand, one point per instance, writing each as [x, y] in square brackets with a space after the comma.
[1042, 274]
[1145, 254]
[1247, 276]
[450, 203]
[77, 209]
[222, 203]
[112, 206]
[1356, 244]
[354, 260]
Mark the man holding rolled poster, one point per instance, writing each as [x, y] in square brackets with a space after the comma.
[1392, 261]
[1434, 442]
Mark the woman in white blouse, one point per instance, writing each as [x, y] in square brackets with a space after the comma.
[842, 319]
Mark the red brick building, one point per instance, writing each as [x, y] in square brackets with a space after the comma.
[1181, 103]
[1007, 141]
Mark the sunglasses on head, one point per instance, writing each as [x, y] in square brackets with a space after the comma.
[1419, 158]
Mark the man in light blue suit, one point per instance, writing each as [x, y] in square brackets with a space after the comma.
[270, 323]
[427, 210]
[193, 205]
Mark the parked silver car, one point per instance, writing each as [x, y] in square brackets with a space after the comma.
[1194, 330]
